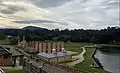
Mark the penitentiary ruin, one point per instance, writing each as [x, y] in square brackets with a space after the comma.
[48, 50]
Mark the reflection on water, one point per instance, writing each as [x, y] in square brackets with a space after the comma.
[109, 61]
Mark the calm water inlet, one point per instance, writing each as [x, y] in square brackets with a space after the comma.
[109, 61]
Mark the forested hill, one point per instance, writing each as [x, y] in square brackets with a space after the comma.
[107, 35]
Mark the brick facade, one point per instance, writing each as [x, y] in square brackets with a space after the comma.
[45, 46]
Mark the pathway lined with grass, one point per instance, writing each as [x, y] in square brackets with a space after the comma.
[86, 63]
[4, 41]
[78, 58]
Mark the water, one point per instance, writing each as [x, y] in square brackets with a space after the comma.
[109, 61]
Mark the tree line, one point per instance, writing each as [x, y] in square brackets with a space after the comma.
[105, 36]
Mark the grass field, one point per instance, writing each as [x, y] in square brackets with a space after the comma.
[85, 65]
[4, 41]
[75, 47]
[15, 71]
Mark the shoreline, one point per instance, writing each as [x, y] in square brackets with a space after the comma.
[96, 61]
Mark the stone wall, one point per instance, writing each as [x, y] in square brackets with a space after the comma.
[42, 46]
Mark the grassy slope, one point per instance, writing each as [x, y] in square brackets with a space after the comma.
[85, 65]
[4, 41]
[15, 71]
[75, 47]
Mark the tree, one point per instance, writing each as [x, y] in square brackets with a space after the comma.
[13, 41]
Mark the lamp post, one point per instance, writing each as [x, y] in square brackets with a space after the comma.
[54, 52]
[64, 51]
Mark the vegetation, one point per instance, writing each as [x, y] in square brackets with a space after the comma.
[85, 65]
[109, 49]
[4, 41]
[75, 47]
[15, 71]
[107, 35]
[13, 41]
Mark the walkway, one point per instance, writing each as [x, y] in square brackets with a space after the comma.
[79, 58]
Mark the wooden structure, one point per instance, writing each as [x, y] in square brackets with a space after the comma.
[5, 57]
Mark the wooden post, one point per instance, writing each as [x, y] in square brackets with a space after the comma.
[40, 69]
[23, 63]
[30, 67]
[21, 60]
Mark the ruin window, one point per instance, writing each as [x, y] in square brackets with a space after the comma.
[51, 51]
[5, 56]
[46, 51]
[42, 47]
[60, 49]
[46, 45]
[0, 56]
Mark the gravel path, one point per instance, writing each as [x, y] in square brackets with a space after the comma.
[79, 58]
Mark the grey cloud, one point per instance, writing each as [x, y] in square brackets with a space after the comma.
[87, 13]
[49, 3]
[110, 4]
[11, 9]
[83, 1]
[39, 21]
[34, 21]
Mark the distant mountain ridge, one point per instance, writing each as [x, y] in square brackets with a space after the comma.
[33, 28]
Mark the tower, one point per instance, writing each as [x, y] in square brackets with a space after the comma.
[24, 42]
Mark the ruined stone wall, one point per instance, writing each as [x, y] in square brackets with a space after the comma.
[42, 46]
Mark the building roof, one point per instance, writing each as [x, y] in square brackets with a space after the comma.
[3, 51]
[13, 51]
[53, 55]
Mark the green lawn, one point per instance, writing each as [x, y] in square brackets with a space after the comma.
[75, 47]
[85, 65]
[4, 41]
[15, 71]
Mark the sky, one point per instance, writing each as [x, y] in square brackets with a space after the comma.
[62, 14]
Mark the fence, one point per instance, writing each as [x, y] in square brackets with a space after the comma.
[30, 68]
[67, 68]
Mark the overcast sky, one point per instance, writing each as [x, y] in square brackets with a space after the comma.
[71, 14]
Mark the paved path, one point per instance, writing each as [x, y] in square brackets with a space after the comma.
[79, 58]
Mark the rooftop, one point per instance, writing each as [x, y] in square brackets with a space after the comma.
[13, 51]
[3, 51]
